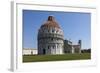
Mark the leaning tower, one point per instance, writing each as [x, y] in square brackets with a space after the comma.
[50, 38]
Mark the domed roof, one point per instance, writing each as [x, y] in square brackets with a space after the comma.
[51, 23]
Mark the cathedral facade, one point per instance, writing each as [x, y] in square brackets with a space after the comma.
[50, 38]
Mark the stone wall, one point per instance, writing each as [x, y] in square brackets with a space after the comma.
[30, 51]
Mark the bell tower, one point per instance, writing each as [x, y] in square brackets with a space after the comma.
[80, 43]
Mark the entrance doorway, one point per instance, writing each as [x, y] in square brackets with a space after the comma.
[44, 51]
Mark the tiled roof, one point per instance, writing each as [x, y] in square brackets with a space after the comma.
[76, 46]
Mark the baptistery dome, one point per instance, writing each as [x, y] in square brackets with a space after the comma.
[50, 37]
[51, 23]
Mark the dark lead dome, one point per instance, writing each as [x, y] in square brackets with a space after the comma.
[50, 23]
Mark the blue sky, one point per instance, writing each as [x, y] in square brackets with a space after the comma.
[76, 26]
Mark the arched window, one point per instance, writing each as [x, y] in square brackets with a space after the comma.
[57, 45]
[51, 39]
[53, 30]
[48, 30]
[42, 30]
[53, 46]
[48, 47]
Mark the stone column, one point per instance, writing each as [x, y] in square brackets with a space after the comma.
[56, 49]
[73, 50]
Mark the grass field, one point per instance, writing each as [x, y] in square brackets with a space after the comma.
[40, 58]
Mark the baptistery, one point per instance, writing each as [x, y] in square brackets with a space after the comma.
[50, 38]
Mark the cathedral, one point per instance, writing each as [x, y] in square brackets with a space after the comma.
[50, 37]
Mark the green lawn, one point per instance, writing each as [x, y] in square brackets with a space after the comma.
[39, 58]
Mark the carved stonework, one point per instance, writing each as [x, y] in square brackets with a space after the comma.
[50, 38]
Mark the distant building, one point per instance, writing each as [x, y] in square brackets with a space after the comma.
[50, 37]
[67, 46]
[29, 51]
[70, 48]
